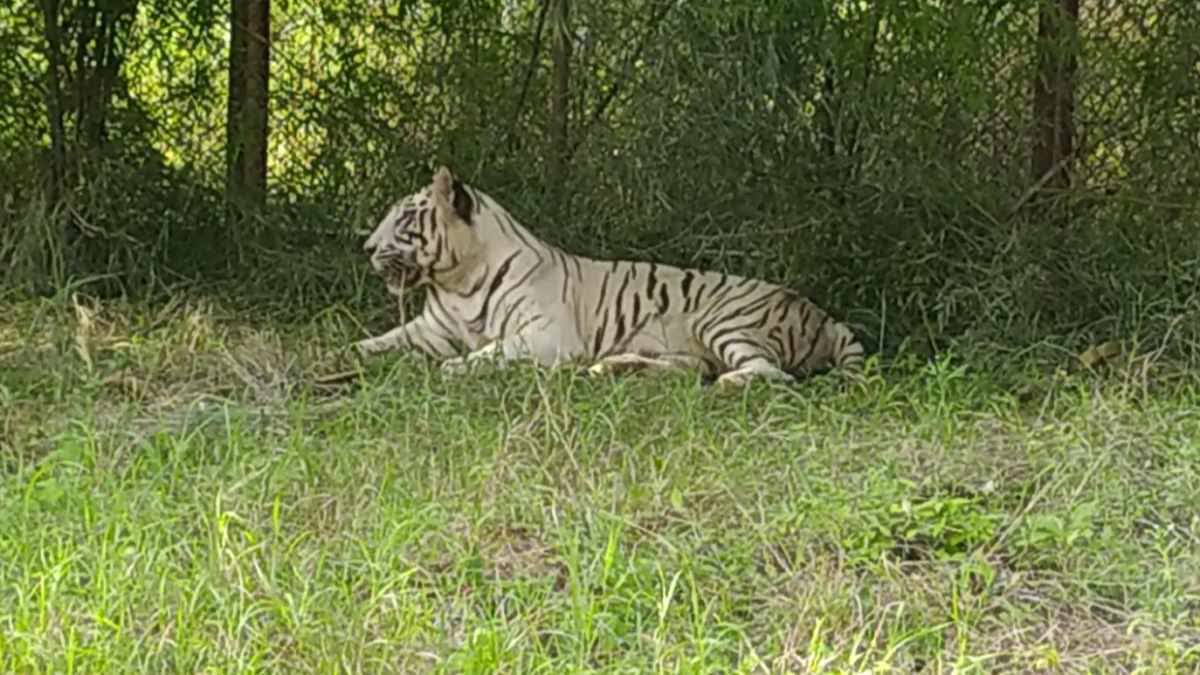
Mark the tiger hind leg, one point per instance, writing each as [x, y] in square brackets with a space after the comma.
[618, 364]
[748, 360]
[740, 377]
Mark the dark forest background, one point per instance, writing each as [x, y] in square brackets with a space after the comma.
[1015, 172]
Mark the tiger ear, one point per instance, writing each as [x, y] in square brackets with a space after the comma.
[443, 182]
[451, 196]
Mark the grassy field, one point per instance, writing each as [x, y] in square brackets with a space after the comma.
[178, 496]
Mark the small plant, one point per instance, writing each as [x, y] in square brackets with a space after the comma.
[937, 527]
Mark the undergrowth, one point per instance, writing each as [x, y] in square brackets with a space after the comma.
[180, 495]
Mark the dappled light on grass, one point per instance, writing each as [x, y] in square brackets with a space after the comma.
[178, 496]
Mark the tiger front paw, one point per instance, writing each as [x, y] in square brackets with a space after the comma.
[599, 369]
[368, 347]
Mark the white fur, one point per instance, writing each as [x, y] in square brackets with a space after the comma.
[501, 294]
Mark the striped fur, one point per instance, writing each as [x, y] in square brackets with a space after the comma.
[494, 290]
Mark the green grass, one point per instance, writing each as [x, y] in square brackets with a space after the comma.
[178, 497]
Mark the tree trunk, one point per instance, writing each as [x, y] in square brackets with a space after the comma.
[254, 112]
[246, 113]
[1054, 95]
[54, 101]
[560, 99]
[106, 74]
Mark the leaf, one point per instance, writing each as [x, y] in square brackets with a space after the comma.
[1096, 355]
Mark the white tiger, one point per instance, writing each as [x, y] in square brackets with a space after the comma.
[495, 290]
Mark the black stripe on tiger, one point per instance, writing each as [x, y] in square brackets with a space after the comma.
[477, 322]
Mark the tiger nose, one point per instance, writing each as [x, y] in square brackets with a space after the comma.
[369, 248]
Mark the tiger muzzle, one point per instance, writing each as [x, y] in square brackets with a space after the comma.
[398, 272]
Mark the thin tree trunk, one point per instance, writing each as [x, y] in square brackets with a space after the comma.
[84, 34]
[54, 100]
[1054, 94]
[101, 26]
[84, 46]
[534, 56]
[239, 10]
[826, 114]
[246, 113]
[108, 70]
[854, 165]
[57, 257]
[560, 100]
[254, 111]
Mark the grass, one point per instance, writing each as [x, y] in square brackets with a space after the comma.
[178, 497]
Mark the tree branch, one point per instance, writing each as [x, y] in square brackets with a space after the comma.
[533, 59]
[651, 26]
[870, 54]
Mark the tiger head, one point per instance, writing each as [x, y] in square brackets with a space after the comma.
[426, 237]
